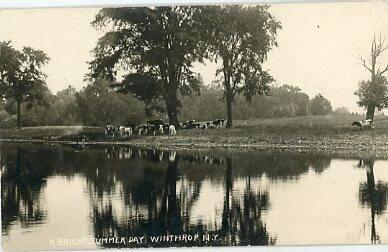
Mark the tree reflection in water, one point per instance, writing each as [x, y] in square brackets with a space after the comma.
[136, 192]
[241, 221]
[21, 188]
[160, 208]
[373, 195]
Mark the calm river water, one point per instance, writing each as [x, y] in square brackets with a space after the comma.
[64, 198]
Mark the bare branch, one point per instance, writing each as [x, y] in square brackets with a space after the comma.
[363, 62]
[385, 70]
[378, 47]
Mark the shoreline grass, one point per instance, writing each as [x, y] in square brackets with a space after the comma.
[330, 133]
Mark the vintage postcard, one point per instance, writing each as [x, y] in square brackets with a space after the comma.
[194, 126]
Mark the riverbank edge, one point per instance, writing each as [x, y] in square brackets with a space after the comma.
[342, 149]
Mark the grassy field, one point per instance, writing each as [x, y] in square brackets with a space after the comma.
[48, 132]
[311, 132]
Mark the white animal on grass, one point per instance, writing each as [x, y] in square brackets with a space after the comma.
[171, 130]
[363, 123]
[128, 131]
[121, 130]
[161, 131]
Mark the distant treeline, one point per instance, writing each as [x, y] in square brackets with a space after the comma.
[97, 104]
[283, 101]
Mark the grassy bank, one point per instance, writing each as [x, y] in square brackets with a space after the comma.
[48, 133]
[333, 133]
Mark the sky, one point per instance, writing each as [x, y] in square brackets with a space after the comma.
[318, 50]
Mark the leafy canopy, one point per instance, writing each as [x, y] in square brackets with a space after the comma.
[241, 37]
[373, 93]
[319, 105]
[150, 50]
[21, 76]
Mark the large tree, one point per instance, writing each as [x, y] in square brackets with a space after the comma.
[372, 95]
[22, 79]
[239, 38]
[150, 52]
[369, 91]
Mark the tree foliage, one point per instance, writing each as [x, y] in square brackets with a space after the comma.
[240, 37]
[341, 111]
[319, 105]
[98, 104]
[373, 93]
[282, 101]
[153, 49]
[22, 79]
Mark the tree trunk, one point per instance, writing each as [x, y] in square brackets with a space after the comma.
[172, 109]
[226, 214]
[229, 111]
[19, 114]
[373, 197]
[370, 113]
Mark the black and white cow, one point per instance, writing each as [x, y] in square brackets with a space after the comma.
[120, 129]
[152, 129]
[191, 124]
[161, 130]
[110, 129]
[363, 123]
[142, 129]
[128, 131]
[171, 130]
[155, 122]
[219, 123]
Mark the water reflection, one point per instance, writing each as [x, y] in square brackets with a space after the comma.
[138, 192]
[21, 188]
[241, 218]
[373, 195]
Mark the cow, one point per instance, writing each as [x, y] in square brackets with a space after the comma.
[128, 131]
[120, 129]
[142, 129]
[219, 123]
[155, 122]
[110, 129]
[160, 130]
[166, 127]
[210, 125]
[191, 124]
[171, 130]
[363, 123]
[152, 129]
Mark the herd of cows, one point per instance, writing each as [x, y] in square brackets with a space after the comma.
[158, 127]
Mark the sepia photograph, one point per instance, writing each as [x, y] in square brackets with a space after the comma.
[220, 125]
